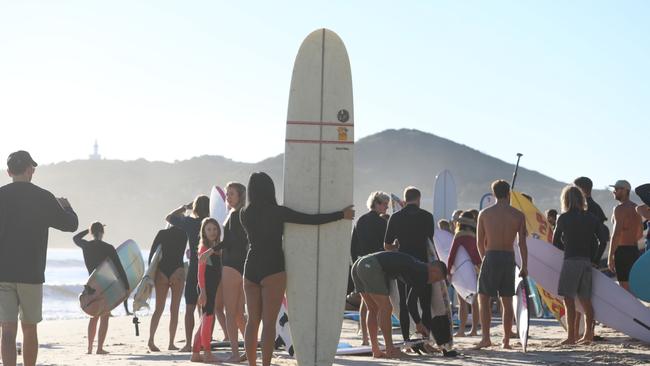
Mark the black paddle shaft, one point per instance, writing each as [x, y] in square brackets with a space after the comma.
[514, 175]
[137, 328]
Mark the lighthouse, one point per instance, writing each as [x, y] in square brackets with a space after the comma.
[95, 155]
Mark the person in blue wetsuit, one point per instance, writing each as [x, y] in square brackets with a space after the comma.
[265, 278]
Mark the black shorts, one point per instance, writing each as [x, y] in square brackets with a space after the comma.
[497, 276]
[624, 258]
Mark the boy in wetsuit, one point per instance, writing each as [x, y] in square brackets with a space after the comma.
[371, 274]
[95, 253]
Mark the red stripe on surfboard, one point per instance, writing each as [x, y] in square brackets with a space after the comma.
[311, 123]
[318, 142]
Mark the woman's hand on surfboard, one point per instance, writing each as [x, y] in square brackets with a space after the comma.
[348, 212]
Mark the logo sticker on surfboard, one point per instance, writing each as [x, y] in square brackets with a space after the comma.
[343, 115]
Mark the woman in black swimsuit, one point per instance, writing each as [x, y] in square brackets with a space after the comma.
[171, 274]
[233, 254]
[264, 274]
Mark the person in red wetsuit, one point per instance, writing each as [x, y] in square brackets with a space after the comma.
[209, 276]
[465, 236]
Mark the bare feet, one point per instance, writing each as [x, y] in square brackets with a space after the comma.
[172, 347]
[483, 344]
[473, 333]
[101, 351]
[186, 348]
[152, 347]
[586, 340]
[567, 341]
[196, 357]
[394, 353]
[459, 334]
[506, 345]
[378, 354]
[365, 342]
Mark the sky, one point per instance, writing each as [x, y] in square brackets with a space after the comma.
[565, 83]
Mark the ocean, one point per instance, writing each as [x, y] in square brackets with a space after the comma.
[65, 275]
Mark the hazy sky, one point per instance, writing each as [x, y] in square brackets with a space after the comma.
[565, 83]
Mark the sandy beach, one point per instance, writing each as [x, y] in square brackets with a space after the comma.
[63, 342]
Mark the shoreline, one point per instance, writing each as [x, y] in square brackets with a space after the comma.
[63, 342]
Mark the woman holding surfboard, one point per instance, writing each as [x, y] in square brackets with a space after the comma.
[95, 253]
[233, 249]
[576, 233]
[265, 278]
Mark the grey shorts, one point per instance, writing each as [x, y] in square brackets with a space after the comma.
[575, 278]
[369, 277]
[25, 299]
[497, 275]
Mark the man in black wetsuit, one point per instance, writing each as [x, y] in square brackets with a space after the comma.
[371, 275]
[95, 253]
[585, 184]
[408, 232]
[26, 214]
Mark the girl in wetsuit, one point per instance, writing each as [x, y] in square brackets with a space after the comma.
[191, 225]
[264, 274]
[95, 253]
[465, 237]
[208, 276]
[171, 274]
[233, 255]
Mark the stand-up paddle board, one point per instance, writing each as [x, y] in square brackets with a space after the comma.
[146, 285]
[521, 307]
[444, 196]
[463, 273]
[613, 306]
[538, 227]
[318, 178]
[640, 277]
[104, 290]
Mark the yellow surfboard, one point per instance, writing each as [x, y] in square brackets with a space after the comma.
[538, 227]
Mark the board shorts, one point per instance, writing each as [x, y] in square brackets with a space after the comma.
[369, 276]
[624, 259]
[497, 275]
[25, 299]
[575, 278]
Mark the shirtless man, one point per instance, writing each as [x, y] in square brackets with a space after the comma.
[628, 229]
[498, 226]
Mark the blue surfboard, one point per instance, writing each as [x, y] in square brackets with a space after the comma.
[640, 277]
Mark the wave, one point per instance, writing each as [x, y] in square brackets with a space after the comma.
[62, 292]
[66, 263]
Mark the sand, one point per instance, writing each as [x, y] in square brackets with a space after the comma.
[63, 342]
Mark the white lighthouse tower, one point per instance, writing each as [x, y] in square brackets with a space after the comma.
[95, 155]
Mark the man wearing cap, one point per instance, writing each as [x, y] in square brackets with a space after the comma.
[628, 229]
[26, 214]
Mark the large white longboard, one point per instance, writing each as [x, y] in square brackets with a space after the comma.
[318, 177]
[444, 196]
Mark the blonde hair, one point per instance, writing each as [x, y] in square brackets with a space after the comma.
[572, 198]
[241, 191]
[376, 198]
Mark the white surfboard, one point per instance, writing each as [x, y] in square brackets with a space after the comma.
[218, 206]
[521, 307]
[147, 284]
[318, 178]
[613, 306]
[444, 196]
[464, 276]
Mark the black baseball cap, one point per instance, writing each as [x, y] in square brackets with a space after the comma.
[20, 160]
